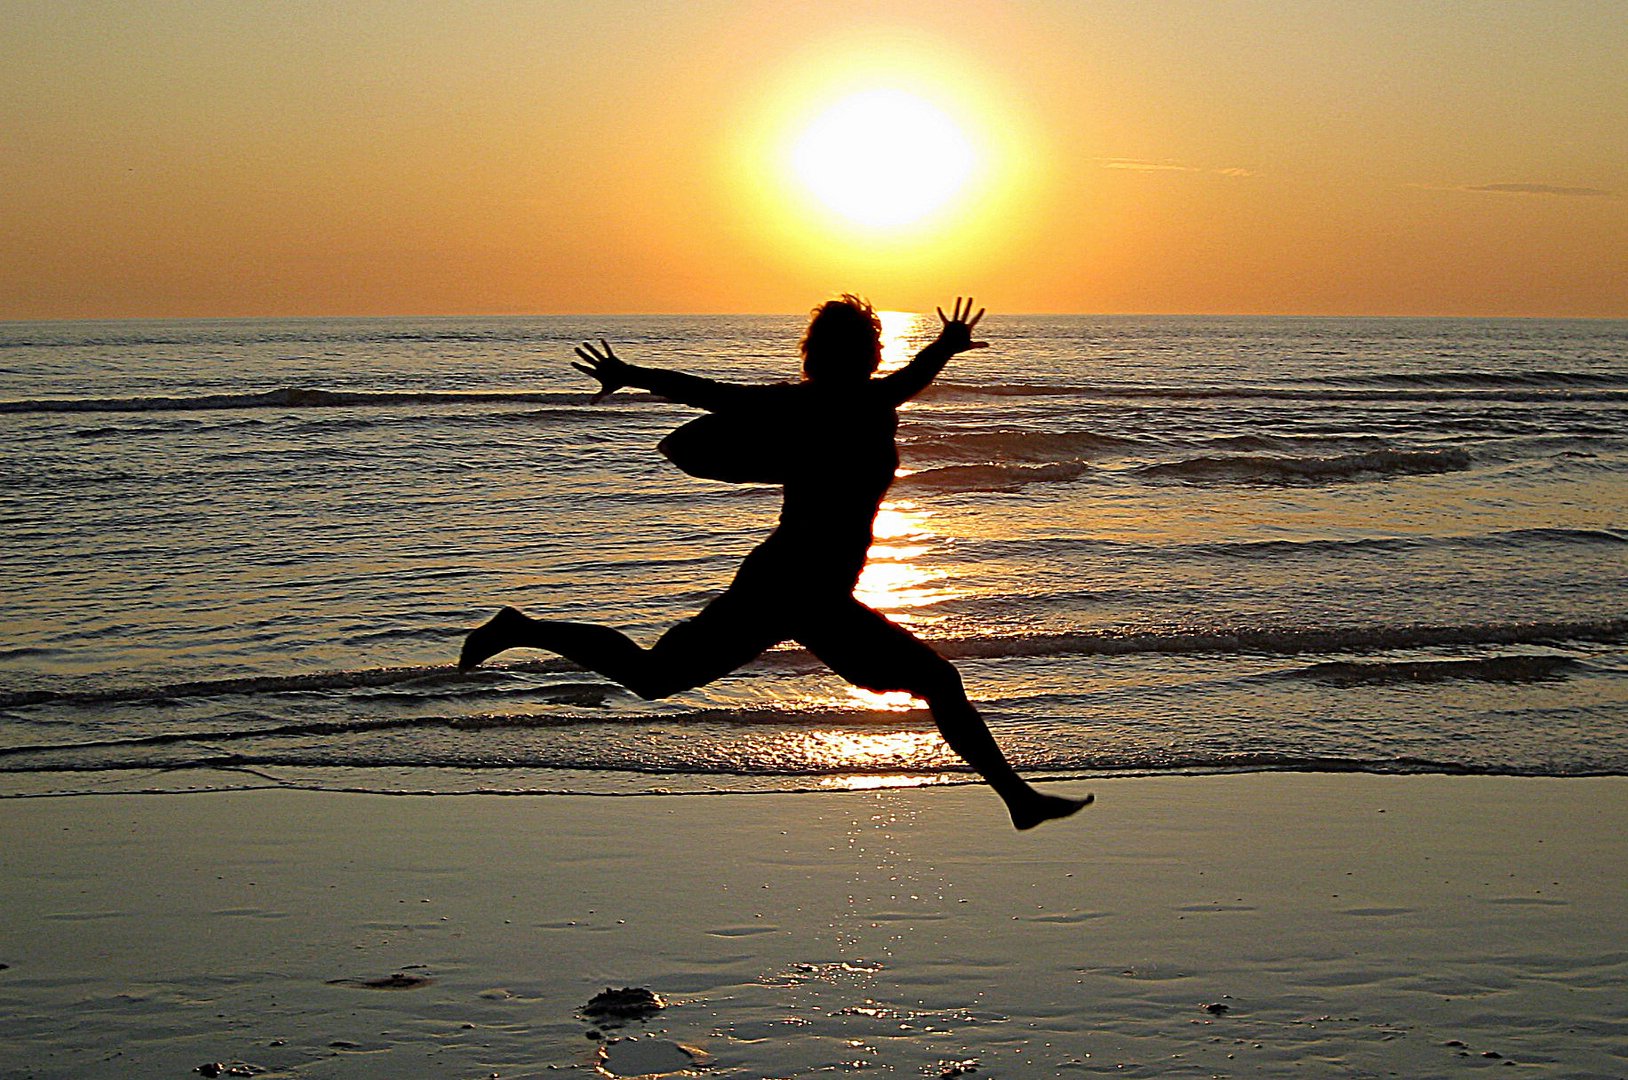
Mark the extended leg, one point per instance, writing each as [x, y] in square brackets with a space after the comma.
[598, 648]
[866, 649]
[720, 639]
[958, 721]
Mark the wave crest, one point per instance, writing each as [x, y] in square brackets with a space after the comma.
[1280, 640]
[445, 681]
[1501, 669]
[293, 397]
[1513, 391]
[1012, 445]
[992, 477]
[1271, 469]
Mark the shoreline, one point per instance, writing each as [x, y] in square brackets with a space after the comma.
[1341, 924]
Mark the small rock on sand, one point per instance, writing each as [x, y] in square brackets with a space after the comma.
[628, 1003]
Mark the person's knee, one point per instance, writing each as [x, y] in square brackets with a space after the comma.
[657, 683]
[936, 679]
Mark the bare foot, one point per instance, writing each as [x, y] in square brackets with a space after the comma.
[1046, 808]
[489, 638]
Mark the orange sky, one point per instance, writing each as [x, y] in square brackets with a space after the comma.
[238, 158]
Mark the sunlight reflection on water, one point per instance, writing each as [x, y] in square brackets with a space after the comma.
[897, 330]
[894, 584]
[870, 751]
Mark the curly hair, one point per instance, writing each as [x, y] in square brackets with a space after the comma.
[844, 339]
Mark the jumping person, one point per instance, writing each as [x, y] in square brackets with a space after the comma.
[830, 441]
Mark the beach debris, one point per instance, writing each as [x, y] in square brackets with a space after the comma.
[628, 1003]
[222, 1068]
[948, 1070]
[636, 1057]
[398, 981]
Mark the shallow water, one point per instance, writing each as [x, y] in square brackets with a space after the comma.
[244, 552]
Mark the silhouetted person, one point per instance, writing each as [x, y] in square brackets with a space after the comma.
[830, 441]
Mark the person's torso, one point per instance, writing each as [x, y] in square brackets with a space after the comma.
[842, 462]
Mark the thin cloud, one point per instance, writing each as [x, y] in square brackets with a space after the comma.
[1146, 166]
[1541, 189]
[1143, 165]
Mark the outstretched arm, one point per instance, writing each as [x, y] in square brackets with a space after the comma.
[954, 336]
[614, 373]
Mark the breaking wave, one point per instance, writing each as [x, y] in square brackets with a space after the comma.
[1500, 669]
[1546, 380]
[444, 680]
[991, 477]
[293, 397]
[1523, 539]
[1606, 388]
[1281, 640]
[1510, 392]
[347, 760]
[1271, 469]
[1012, 445]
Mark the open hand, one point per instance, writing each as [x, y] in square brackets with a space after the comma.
[607, 367]
[956, 331]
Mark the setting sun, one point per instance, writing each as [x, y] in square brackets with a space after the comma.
[879, 162]
[883, 158]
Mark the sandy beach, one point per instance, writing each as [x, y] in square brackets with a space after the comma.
[1245, 925]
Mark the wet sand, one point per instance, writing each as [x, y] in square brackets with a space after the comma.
[1255, 925]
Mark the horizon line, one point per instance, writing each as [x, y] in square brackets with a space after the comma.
[17, 320]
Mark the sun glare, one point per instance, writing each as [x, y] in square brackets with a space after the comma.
[877, 163]
[883, 158]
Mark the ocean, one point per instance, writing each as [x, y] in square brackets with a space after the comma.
[243, 554]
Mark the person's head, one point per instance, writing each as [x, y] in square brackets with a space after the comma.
[844, 341]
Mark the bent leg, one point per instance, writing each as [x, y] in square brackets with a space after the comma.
[725, 635]
[862, 646]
